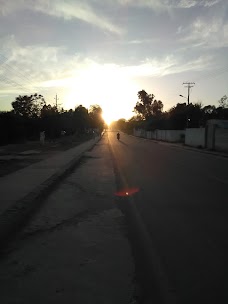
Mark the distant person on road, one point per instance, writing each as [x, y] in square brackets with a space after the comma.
[118, 136]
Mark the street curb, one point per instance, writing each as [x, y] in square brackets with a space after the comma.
[202, 151]
[12, 219]
[184, 147]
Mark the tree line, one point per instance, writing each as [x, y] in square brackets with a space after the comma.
[31, 115]
[149, 114]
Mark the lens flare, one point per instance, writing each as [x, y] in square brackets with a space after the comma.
[127, 192]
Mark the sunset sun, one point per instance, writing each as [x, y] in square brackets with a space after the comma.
[108, 118]
[109, 87]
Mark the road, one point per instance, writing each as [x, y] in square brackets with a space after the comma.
[182, 201]
[76, 247]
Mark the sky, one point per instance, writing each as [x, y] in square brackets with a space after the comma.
[104, 51]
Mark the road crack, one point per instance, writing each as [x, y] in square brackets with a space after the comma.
[85, 190]
[74, 220]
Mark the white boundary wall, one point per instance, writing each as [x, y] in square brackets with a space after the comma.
[164, 135]
[221, 139]
[195, 137]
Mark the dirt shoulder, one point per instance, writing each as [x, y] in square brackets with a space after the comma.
[17, 156]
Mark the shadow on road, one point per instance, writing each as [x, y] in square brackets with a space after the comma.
[123, 143]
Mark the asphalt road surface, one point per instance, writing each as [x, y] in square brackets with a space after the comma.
[182, 201]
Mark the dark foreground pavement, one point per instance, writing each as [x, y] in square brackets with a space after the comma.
[182, 201]
[74, 249]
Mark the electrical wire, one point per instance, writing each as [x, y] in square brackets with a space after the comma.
[10, 68]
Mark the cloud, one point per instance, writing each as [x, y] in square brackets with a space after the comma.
[206, 33]
[208, 3]
[25, 67]
[83, 80]
[78, 10]
[149, 67]
[193, 3]
[167, 4]
[67, 10]
[225, 32]
[47, 66]
[160, 67]
[7, 7]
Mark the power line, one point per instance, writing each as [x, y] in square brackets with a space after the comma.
[16, 75]
[17, 78]
[11, 82]
[10, 68]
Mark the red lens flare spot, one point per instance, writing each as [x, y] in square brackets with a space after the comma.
[127, 192]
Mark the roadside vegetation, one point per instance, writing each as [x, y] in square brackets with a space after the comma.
[31, 115]
[149, 114]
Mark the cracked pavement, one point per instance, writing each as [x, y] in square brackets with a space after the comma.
[75, 248]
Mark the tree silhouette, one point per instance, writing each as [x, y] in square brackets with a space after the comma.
[96, 119]
[48, 110]
[223, 102]
[81, 119]
[28, 106]
[31, 114]
[50, 121]
[147, 106]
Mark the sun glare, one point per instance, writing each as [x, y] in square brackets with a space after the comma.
[107, 86]
[108, 118]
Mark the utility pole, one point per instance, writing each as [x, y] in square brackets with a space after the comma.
[189, 85]
[56, 101]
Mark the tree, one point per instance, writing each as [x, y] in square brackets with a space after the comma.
[81, 118]
[48, 110]
[177, 116]
[12, 128]
[50, 119]
[221, 113]
[195, 115]
[223, 102]
[157, 107]
[120, 124]
[95, 113]
[28, 106]
[147, 106]
[209, 110]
